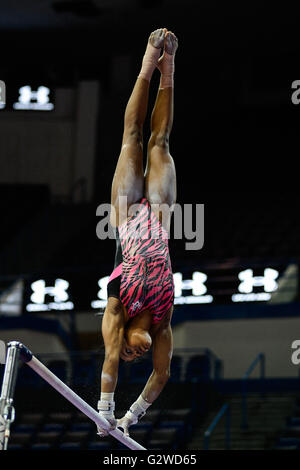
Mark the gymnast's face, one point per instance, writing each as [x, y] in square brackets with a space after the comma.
[136, 342]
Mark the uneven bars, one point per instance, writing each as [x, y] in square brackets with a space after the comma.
[27, 357]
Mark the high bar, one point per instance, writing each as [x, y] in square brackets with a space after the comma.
[27, 357]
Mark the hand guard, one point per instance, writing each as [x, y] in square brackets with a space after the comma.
[131, 417]
[106, 410]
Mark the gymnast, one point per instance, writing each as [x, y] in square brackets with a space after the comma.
[141, 288]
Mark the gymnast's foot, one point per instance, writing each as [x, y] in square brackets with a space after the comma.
[157, 38]
[171, 43]
[166, 63]
[153, 50]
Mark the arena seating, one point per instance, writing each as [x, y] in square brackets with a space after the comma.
[74, 431]
[289, 437]
[167, 425]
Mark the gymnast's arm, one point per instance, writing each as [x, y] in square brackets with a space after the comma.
[162, 355]
[113, 333]
[162, 351]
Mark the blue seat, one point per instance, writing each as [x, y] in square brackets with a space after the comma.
[15, 446]
[171, 424]
[98, 445]
[22, 438]
[41, 446]
[288, 441]
[180, 414]
[70, 446]
[143, 425]
[24, 428]
[82, 426]
[62, 417]
[57, 427]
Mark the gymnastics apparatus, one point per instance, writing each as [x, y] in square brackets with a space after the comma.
[17, 351]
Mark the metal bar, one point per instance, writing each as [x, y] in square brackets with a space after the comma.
[262, 374]
[208, 432]
[259, 358]
[79, 403]
[252, 366]
[227, 428]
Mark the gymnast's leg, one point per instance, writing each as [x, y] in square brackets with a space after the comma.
[160, 175]
[129, 175]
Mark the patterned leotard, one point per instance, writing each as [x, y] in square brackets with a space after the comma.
[142, 277]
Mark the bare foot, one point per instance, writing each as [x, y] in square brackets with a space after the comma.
[157, 37]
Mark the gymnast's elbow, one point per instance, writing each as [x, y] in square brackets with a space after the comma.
[112, 357]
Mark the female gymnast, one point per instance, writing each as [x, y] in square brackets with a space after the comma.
[140, 288]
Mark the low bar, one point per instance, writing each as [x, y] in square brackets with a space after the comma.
[27, 357]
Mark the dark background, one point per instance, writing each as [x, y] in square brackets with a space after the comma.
[235, 134]
[235, 125]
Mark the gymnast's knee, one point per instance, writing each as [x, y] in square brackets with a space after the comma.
[133, 134]
[159, 139]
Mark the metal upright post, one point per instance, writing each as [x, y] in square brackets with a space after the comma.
[7, 411]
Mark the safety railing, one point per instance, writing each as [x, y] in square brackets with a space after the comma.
[260, 359]
[225, 410]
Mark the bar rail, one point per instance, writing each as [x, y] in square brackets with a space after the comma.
[260, 359]
[224, 410]
[26, 356]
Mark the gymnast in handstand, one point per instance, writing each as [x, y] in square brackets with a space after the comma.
[141, 288]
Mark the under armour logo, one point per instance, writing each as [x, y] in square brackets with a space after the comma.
[268, 281]
[35, 100]
[2, 94]
[27, 95]
[102, 283]
[196, 284]
[58, 291]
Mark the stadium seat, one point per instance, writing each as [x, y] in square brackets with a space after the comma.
[82, 426]
[287, 443]
[50, 437]
[62, 417]
[31, 418]
[42, 446]
[24, 428]
[163, 438]
[20, 438]
[140, 435]
[55, 427]
[70, 446]
[15, 446]
[99, 445]
[75, 436]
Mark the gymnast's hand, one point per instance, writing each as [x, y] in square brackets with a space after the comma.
[106, 410]
[126, 421]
